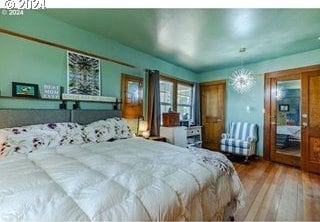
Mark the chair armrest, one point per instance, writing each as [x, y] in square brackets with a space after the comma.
[225, 136]
[251, 139]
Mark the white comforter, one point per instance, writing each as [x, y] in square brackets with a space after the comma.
[132, 179]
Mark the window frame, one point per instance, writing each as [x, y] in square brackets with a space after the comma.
[175, 93]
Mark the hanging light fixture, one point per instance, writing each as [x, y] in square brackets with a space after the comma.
[242, 80]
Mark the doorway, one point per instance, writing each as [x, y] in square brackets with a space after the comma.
[213, 96]
[292, 117]
[132, 96]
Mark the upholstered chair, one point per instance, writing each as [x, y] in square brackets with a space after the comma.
[241, 138]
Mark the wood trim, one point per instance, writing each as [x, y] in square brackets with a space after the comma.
[267, 118]
[217, 82]
[45, 42]
[131, 77]
[175, 96]
[304, 109]
[175, 80]
[286, 72]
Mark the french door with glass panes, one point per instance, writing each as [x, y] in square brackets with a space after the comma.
[292, 118]
[285, 120]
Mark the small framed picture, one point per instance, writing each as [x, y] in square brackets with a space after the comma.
[25, 89]
[284, 107]
[51, 91]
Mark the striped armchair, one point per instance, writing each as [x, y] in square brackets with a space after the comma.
[241, 139]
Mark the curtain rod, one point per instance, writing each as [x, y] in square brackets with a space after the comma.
[45, 42]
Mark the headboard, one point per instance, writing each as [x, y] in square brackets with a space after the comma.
[24, 117]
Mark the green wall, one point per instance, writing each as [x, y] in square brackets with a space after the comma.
[26, 61]
[236, 104]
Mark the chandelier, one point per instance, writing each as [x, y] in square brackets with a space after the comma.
[280, 94]
[242, 80]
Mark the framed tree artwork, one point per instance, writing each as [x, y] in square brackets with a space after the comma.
[83, 75]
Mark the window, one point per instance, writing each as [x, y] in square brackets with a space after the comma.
[184, 101]
[166, 96]
[176, 96]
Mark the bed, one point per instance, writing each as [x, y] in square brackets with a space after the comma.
[288, 136]
[122, 178]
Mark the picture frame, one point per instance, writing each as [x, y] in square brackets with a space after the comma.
[83, 74]
[51, 91]
[284, 108]
[20, 89]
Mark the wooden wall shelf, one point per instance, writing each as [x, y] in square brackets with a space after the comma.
[63, 101]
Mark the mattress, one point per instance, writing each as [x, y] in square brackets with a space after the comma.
[292, 131]
[127, 179]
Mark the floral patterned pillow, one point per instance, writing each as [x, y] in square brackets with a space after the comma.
[121, 127]
[29, 138]
[105, 130]
[70, 133]
[26, 141]
[99, 131]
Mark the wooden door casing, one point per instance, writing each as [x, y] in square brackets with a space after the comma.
[131, 109]
[311, 119]
[310, 98]
[213, 113]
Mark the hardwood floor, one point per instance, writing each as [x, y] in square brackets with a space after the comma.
[277, 192]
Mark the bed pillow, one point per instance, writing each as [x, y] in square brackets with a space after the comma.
[26, 141]
[121, 127]
[69, 133]
[99, 131]
[29, 138]
[105, 130]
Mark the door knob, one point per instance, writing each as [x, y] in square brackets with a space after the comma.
[304, 125]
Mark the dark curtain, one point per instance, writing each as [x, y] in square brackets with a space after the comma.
[196, 104]
[154, 102]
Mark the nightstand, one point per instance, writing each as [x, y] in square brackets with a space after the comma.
[194, 136]
[176, 135]
[158, 138]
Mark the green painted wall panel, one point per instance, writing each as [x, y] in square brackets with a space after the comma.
[26, 61]
[236, 105]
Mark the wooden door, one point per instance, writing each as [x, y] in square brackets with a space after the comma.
[132, 96]
[285, 119]
[311, 121]
[309, 117]
[213, 113]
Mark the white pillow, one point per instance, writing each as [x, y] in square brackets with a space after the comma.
[29, 138]
[121, 127]
[105, 130]
[99, 131]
